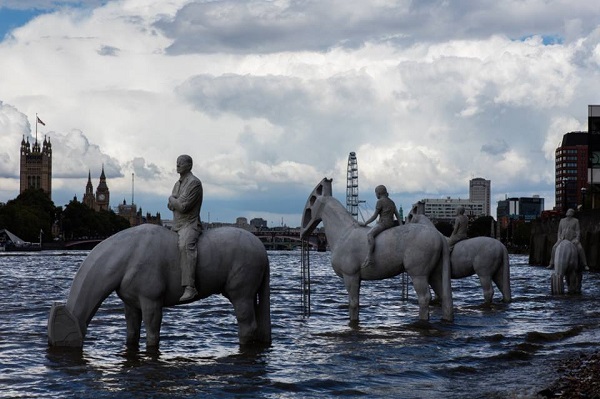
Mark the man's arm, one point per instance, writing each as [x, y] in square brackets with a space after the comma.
[561, 229]
[577, 230]
[375, 214]
[190, 196]
[456, 226]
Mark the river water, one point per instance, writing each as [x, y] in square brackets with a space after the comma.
[507, 351]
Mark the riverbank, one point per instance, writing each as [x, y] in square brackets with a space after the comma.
[579, 378]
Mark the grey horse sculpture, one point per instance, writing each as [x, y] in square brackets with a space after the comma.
[484, 256]
[142, 265]
[416, 249]
[566, 267]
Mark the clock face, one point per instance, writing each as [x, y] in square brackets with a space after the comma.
[596, 158]
[101, 197]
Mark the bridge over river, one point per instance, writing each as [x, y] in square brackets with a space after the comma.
[289, 240]
[272, 240]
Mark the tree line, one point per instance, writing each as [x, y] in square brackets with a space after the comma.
[33, 212]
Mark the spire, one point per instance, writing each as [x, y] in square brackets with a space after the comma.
[89, 189]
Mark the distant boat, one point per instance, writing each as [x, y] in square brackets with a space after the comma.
[11, 243]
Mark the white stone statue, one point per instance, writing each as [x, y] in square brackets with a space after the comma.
[484, 256]
[141, 264]
[416, 249]
[185, 202]
[386, 210]
[566, 266]
[568, 229]
[461, 225]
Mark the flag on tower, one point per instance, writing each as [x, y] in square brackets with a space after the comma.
[40, 121]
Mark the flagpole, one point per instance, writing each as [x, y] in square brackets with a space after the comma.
[36, 123]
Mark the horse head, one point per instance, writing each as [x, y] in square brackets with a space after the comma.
[417, 215]
[311, 216]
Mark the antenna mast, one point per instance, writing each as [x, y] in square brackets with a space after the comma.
[132, 185]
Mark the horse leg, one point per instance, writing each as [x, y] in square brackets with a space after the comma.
[421, 286]
[488, 290]
[152, 315]
[435, 280]
[352, 283]
[557, 283]
[500, 282]
[246, 318]
[133, 317]
[574, 281]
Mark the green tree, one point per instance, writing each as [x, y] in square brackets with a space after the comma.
[444, 227]
[79, 221]
[28, 214]
[482, 226]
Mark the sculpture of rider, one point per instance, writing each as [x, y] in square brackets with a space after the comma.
[568, 229]
[461, 224]
[185, 202]
[385, 208]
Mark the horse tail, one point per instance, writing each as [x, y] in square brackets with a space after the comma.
[263, 308]
[447, 305]
[98, 276]
[506, 292]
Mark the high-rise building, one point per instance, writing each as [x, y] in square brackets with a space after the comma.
[577, 166]
[594, 158]
[36, 166]
[438, 209]
[480, 191]
[571, 170]
[522, 208]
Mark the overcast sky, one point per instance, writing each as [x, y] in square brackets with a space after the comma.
[269, 97]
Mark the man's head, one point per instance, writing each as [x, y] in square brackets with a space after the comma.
[570, 212]
[460, 210]
[184, 164]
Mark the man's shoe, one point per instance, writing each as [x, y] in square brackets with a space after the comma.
[189, 293]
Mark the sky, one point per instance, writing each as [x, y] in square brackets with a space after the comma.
[270, 97]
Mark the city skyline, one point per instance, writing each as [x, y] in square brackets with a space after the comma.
[428, 95]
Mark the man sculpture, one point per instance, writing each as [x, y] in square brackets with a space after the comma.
[385, 208]
[568, 229]
[461, 224]
[185, 202]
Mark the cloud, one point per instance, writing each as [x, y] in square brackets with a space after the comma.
[15, 128]
[73, 155]
[496, 147]
[145, 171]
[269, 97]
[108, 50]
[301, 113]
[315, 25]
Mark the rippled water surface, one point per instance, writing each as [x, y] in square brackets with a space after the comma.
[504, 351]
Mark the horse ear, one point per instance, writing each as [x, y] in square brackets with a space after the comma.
[327, 190]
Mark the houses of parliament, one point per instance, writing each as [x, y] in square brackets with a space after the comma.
[36, 172]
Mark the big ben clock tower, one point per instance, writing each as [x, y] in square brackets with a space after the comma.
[102, 193]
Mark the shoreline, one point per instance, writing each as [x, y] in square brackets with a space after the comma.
[579, 377]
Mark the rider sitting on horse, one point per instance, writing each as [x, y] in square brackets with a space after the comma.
[568, 229]
[385, 208]
[461, 224]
